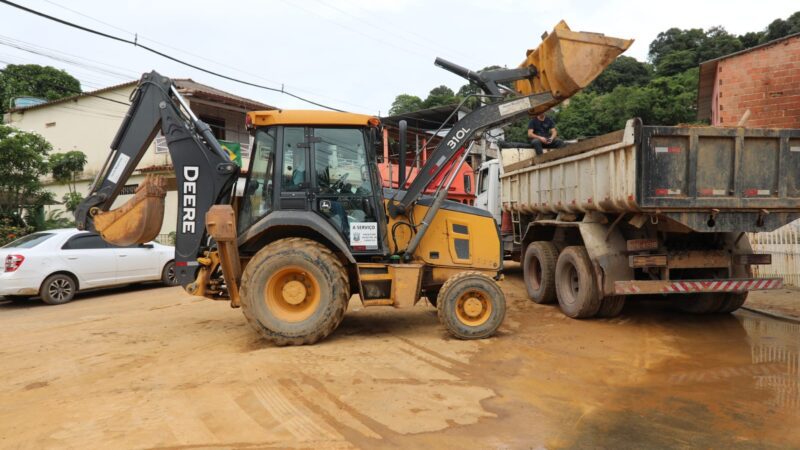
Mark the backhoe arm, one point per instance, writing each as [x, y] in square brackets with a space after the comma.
[204, 175]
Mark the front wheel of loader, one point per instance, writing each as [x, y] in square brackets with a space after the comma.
[470, 305]
[294, 292]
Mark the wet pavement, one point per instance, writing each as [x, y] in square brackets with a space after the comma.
[153, 368]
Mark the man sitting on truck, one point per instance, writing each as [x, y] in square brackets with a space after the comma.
[543, 134]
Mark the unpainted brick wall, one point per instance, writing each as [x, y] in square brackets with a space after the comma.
[764, 80]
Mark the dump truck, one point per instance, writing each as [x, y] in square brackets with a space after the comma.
[658, 211]
[310, 225]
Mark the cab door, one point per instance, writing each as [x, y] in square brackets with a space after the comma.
[344, 187]
[295, 173]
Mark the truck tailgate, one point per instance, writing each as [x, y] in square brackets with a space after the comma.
[707, 168]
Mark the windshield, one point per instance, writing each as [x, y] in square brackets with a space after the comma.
[29, 241]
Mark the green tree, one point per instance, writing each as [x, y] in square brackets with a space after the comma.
[37, 81]
[751, 38]
[440, 96]
[676, 50]
[405, 103]
[23, 161]
[779, 28]
[718, 42]
[674, 40]
[624, 71]
[66, 168]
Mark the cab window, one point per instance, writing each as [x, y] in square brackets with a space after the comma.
[257, 201]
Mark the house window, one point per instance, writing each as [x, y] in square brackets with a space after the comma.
[217, 126]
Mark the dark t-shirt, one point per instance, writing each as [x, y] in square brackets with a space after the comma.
[541, 127]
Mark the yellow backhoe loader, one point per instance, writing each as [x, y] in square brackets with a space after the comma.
[310, 225]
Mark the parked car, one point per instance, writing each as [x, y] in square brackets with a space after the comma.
[56, 264]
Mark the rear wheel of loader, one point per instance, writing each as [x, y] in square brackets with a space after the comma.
[702, 303]
[470, 305]
[576, 284]
[539, 271]
[732, 302]
[294, 291]
[611, 306]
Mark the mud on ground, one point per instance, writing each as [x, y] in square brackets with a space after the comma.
[150, 367]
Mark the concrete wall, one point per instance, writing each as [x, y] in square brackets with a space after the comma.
[765, 80]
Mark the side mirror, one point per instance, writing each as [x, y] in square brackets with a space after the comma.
[146, 246]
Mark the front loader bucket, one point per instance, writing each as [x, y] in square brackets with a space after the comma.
[139, 219]
[567, 61]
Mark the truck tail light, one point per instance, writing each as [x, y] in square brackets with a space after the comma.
[13, 262]
[754, 259]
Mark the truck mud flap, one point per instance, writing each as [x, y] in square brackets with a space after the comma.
[696, 286]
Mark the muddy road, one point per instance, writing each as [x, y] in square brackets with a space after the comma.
[151, 367]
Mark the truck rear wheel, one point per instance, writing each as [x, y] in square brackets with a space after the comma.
[294, 292]
[611, 306]
[703, 303]
[732, 302]
[470, 305]
[575, 283]
[539, 271]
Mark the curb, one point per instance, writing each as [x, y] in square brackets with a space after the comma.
[773, 315]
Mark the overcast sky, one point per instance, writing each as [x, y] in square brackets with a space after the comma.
[355, 55]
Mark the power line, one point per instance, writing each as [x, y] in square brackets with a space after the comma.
[419, 41]
[163, 55]
[216, 63]
[30, 49]
[353, 30]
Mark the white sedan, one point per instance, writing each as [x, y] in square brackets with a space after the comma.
[55, 264]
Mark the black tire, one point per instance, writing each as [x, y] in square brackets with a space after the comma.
[58, 289]
[732, 302]
[310, 267]
[471, 288]
[703, 303]
[539, 271]
[611, 306]
[576, 284]
[169, 277]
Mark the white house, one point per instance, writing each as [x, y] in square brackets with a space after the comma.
[89, 121]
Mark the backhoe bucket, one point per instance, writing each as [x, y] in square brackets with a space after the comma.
[137, 221]
[567, 61]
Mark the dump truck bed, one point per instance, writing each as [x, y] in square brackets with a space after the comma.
[709, 179]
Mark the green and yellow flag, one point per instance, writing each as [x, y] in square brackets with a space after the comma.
[234, 150]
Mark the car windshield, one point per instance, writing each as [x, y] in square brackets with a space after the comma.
[29, 241]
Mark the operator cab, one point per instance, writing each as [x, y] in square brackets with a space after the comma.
[319, 162]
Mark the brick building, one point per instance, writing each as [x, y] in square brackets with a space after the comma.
[764, 79]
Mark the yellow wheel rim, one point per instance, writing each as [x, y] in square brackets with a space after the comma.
[292, 294]
[473, 308]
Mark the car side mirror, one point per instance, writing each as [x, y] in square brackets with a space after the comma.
[146, 246]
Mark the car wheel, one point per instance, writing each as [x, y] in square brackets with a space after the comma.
[58, 289]
[169, 276]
